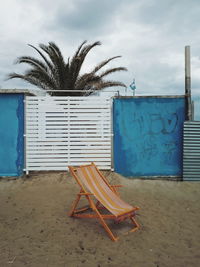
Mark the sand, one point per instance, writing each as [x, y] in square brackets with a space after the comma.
[35, 229]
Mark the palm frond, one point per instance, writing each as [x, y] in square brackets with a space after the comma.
[47, 82]
[39, 68]
[85, 80]
[59, 63]
[110, 71]
[35, 63]
[50, 66]
[103, 63]
[78, 60]
[30, 80]
[78, 50]
[103, 84]
[57, 60]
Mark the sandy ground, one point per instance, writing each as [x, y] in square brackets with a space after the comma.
[35, 229]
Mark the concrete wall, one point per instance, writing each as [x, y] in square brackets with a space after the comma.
[11, 134]
[148, 136]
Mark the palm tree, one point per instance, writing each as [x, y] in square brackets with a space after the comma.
[53, 73]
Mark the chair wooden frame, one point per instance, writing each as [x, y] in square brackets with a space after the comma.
[97, 207]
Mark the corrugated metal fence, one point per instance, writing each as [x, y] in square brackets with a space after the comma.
[62, 131]
[191, 151]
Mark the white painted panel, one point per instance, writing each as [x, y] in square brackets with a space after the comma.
[62, 131]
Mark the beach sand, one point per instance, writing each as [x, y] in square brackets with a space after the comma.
[35, 229]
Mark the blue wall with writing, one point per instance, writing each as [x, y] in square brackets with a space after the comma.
[11, 134]
[148, 136]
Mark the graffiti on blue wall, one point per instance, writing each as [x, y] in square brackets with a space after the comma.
[11, 134]
[148, 136]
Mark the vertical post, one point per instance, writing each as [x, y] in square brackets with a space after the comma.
[68, 131]
[188, 83]
[25, 135]
[112, 133]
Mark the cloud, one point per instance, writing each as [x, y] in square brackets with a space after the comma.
[149, 34]
[86, 16]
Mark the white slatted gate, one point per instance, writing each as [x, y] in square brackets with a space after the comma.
[62, 131]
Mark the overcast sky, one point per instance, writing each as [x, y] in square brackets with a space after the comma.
[150, 35]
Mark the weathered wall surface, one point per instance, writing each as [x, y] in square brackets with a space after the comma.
[11, 134]
[148, 136]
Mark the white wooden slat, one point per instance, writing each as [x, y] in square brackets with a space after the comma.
[73, 154]
[71, 134]
[60, 160]
[63, 164]
[64, 168]
[65, 144]
[70, 153]
[70, 127]
[66, 120]
[102, 107]
[79, 109]
[67, 113]
[81, 137]
[81, 99]
[61, 137]
[72, 123]
[70, 146]
[55, 132]
[59, 111]
[69, 130]
[65, 130]
[67, 106]
[56, 149]
[69, 117]
[71, 108]
[58, 98]
[77, 155]
[71, 103]
[66, 163]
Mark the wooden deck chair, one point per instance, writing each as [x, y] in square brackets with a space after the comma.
[93, 183]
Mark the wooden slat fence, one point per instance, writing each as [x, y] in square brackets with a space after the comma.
[62, 131]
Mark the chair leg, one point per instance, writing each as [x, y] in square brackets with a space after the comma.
[74, 205]
[111, 235]
[137, 226]
[102, 221]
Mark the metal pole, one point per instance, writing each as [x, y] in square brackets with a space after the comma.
[188, 83]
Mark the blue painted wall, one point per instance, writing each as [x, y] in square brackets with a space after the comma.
[148, 136]
[11, 134]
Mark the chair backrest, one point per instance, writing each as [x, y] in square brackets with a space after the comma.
[93, 180]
